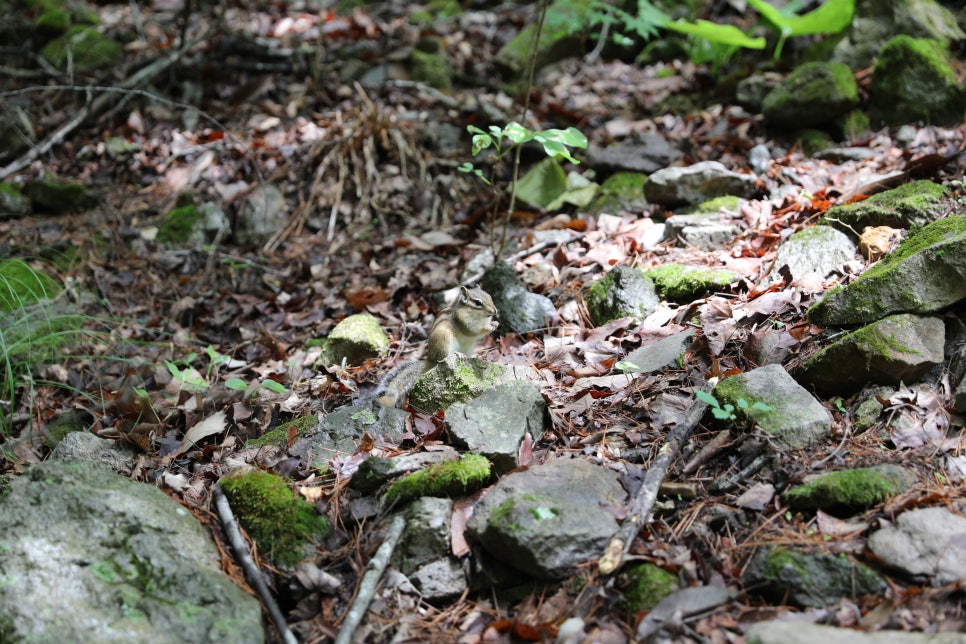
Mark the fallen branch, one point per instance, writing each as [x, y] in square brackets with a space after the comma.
[367, 588]
[646, 497]
[252, 573]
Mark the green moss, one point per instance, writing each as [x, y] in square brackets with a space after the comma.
[178, 225]
[354, 340]
[84, 48]
[854, 125]
[909, 206]
[730, 203]
[619, 191]
[55, 21]
[623, 292]
[814, 141]
[443, 385]
[912, 80]
[279, 435]
[435, 11]
[59, 197]
[281, 523]
[431, 68]
[852, 490]
[644, 586]
[21, 286]
[684, 283]
[448, 479]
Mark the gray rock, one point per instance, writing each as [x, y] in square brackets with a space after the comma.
[925, 273]
[751, 91]
[796, 419]
[683, 283]
[426, 537]
[647, 153]
[912, 205]
[354, 340]
[261, 216]
[440, 580]
[799, 632]
[340, 432]
[808, 579]
[549, 518]
[682, 603]
[496, 423]
[13, 203]
[899, 348]
[696, 183]
[663, 353]
[519, 310]
[817, 250]
[84, 447]
[623, 292]
[929, 542]
[90, 556]
[814, 94]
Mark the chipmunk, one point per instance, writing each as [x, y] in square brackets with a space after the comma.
[457, 331]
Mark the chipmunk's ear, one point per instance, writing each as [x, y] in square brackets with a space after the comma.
[464, 294]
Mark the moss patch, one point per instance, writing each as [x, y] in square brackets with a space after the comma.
[279, 435]
[851, 490]
[646, 585]
[682, 283]
[448, 479]
[85, 48]
[21, 286]
[281, 523]
[178, 225]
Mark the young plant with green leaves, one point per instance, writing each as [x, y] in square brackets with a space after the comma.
[728, 411]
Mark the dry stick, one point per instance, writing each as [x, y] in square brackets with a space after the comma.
[644, 502]
[367, 588]
[97, 106]
[252, 574]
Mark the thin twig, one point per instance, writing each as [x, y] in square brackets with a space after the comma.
[644, 502]
[367, 587]
[252, 574]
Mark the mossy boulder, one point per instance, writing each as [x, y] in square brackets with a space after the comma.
[83, 48]
[814, 94]
[850, 491]
[282, 524]
[912, 205]
[809, 579]
[282, 435]
[180, 225]
[624, 292]
[456, 478]
[59, 197]
[622, 191]
[913, 81]
[458, 381]
[428, 64]
[927, 272]
[644, 586]
[354, 340]
[681, 283]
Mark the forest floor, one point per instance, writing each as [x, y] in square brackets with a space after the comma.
[380, 220]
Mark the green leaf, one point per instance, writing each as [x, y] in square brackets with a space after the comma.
[720, 413]
[236, 383]
[722, 34]
[517, 133]
[480, 143]
[705, 397]
[542, 184]
[832, 17]
[271, 385]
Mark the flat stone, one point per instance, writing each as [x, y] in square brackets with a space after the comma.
[929, 542]
[696, 183]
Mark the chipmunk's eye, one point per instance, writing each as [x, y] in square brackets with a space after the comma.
[477, 302]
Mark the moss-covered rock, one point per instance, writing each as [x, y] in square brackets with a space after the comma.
[281, 523]
[851, 491]
[623, 292]
[279, 436]
[644, 586]
[84, 48]
[456, 478]
[924, 274]
[912, 205]
[354, 340]
[53, 22]
[620, 191]
[458, 381]
[682, 283]
[814, 94]
[428, 64]
[180, 225]
[556, 41]
[59, 196]
[913, 81]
